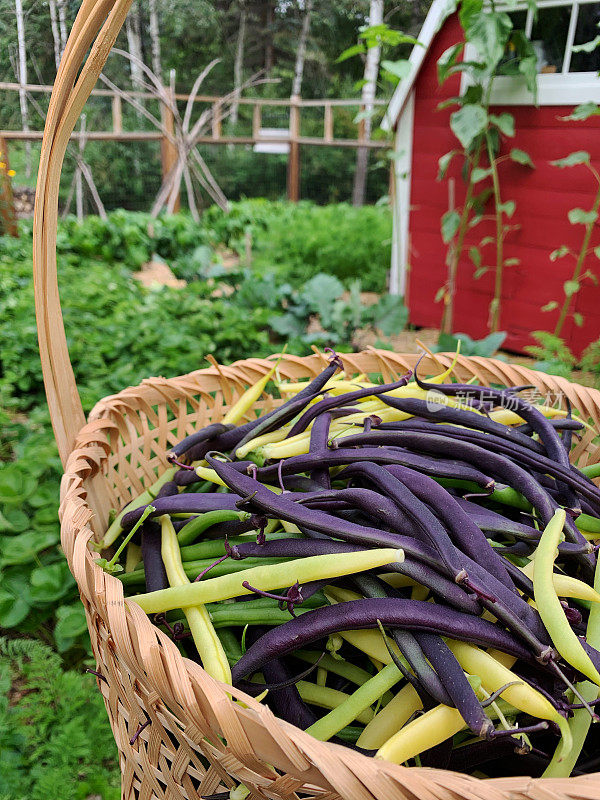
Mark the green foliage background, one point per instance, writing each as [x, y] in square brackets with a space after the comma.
[52, 723]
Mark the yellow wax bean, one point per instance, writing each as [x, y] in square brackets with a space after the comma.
[522, 696]
[267, 578]
[581, 720]
[397, 581]
[419, 593]
[566, 586]
[371, 642]
[248, 399]
[289, 527]
[428, 730]
[134, 556]
[267, 438]
[508, 417]
[390, 719]
[324, 697]
[207, 642]
[338, 594]
[504, 658]
[293, 387]
[552, 613]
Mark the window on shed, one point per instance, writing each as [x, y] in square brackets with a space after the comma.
[558, 28]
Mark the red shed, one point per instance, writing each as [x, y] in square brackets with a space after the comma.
[543, 195]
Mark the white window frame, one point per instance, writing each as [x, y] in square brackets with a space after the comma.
[553, 89]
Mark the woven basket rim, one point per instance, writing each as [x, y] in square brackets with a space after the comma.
[87, 458]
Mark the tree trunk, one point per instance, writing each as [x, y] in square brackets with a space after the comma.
[22, 77]
[155, 39]
[368, 96]
[238, 65]
[268, 38]
[62, 23]
[55, 32]
[134, 44]
[301, 52]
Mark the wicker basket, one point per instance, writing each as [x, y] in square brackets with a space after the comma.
[178, 731]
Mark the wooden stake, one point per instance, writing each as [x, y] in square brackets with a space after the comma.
[117, 114]
[168, 150]
[7, 201]
[293, 173]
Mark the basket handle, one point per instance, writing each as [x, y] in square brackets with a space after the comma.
[96, 26]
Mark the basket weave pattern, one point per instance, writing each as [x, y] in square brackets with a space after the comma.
[198, 738]
[181, 734]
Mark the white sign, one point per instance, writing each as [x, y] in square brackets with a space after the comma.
[273, 147]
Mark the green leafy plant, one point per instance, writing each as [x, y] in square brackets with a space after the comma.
[55, 739]
[487, 347]
[552, 354]
[577, 216]
[321, 313]
[495, 48]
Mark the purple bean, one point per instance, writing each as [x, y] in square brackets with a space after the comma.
[203, 435]
[318, 444]
[329, 403]
[526, 457]
[560, 424]
[425, 680]
[373, 505]
[444, 662]
[529, 413]
[283, 508]
[292, 548]
[433, 531]
[280, 415]
[285, 702]
[442, 468]
[183, 504]
[506, 604]
[155, 573]
[168, 489]
[438, 412]
[361, 614]
[500, 466]
[464, 533]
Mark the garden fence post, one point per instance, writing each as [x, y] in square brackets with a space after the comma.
[168, 151]
[7, 202]
[293, 173]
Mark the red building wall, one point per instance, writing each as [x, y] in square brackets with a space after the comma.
[543, 197]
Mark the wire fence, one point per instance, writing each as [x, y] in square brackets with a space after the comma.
[126, 153]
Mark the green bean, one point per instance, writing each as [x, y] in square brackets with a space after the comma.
[202, 522]
[194, 568]
[562, 635]
[336, 665]
[215, 548]
[324, 697]
[359, 701]
[230, 644]
[143, 499]
[237, 615]
[591, 470]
